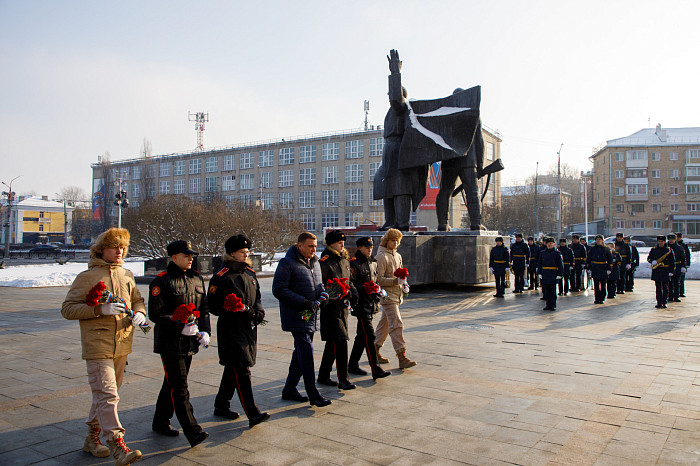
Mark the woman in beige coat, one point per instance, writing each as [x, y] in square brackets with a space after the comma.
[390, 323]
[106, 333]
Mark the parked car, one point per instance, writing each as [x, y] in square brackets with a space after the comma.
[44, 250]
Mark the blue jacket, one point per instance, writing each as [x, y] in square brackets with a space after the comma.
[567, 255]
[616, 266]
[534, 256]
[550, 266]
[296, 281]
[499, 260]
[519, 255]
[599, 261]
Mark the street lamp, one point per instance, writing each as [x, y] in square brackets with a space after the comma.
[121, 202]
[10, 197]
[585, 176]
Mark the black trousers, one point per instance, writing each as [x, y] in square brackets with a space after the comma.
[682, 288]
[519, 279]
[533, 278]
[364, 341]
[612, 288]
[674, 288]
[174, 396]
[599, 285]
[335, 350]
[237, 378]
[661, 292]
[621, 281]
[500, 284]
[576, 278]
[550, 295]
[564, 283]
[302, 364]
[629, 280]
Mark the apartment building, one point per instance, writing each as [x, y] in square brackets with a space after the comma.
[648, 183]
[35, 219]
[323, 180]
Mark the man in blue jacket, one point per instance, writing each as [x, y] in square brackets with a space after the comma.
[550, 268]
[299, 288]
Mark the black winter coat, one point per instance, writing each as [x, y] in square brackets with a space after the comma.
[499, 260]
[625, 252]
[334, 316]
[167, 291]
[616, 266]
[550, 266]
[567, 256]
[679, 254]
[364, 270]
[534, 256]
[579, 251]
[661, 273]
[599, 261]
[635, 257]
[519, 255]
[237, 332]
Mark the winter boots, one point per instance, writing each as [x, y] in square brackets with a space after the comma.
[122, 454]
[404, 362]
[380, 358]
[92, 443]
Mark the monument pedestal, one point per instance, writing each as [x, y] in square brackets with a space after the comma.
[441, 257]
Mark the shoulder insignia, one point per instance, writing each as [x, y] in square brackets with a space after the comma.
[353, 259]
[221, 272]
[324, 258]
[162, 273]
[195, 272]
[155, 291]
[212, 289]
[251, 269]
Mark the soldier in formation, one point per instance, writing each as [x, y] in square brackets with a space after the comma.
[662, 263]
[550, 269]
[520, 258]
[567, 256]
[499, 263]
[579, 251]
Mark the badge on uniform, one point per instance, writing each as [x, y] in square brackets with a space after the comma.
[324, 258]
[212, 289]
[155, 291]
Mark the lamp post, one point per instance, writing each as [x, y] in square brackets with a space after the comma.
[559, 229]
[585, 176]
[121, 202]
[10, 197]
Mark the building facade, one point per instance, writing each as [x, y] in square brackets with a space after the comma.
[322, 180]
[38, 220]
[648, 183]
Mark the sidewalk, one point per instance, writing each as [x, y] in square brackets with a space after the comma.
[497, 382]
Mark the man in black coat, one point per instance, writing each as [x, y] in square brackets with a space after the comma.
[599, 262]
[579, 251]
[634, 264]
[519, 257]
[532, 265]
[236, 329]
[662, 263]
[679, 254]
[550, 269]
[177, 342]
[364, 271]
[686, 250]
[567, 256]
[499, 263]
[626, 254]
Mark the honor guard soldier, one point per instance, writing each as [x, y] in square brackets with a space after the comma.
[364, 270]
[662, 263]
[177, 342]
[567, 257]
[499, 261]
[674, 287]
[586, 271]
[599, 262]
[579, 251]
[532, 265]
[550, 268]
[519, 257]
[626, 254]
[236, 329]
[634, 262]
[614, 271]
[686, 250]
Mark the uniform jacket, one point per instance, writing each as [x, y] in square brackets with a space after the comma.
[103, 337]
[297, 280]
[550, 266]
[167, 291]
[661, 273]
[519, 255]
[599, 261]
[625, 252]
[334, 316]
[236, 332]
[686, 250]
[499, 260]
[364, 269]
[635, 257]
[616, 266]
[389, 260]
[534, 255]
[579, 251]
[680, 257]
[567, 256]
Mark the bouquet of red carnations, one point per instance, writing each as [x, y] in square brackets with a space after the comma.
[233, 303]
[337, 288]
[402, 274]
[372, 288]
[185, 314]
[99, 294]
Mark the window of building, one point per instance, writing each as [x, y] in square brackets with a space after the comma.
[373, 167]
[657, 224]
[267, 201]
[619, 191]
[164, 169]
[354, 149]
[286, 200]
[266, 179]
[195, 166]
[228, 183]
[125, 174]
[329, 198]
[136, 190]
[307, 176]
[637, 208]
[619, 224]
[353, 197]
[353, 219]
[245, 160]
[211, 184]
[692, 171]
[330, 174]
[673, 156]
[692, 154]
[619, 207]
[195, 185]
[212, 164]
[370, 197]
[307, 154]
[637, 224]
[286, 178]
[229, 163]
[674, 190]
[636, 155]
[655, 156]
[674, 208]
[151, 171]
[376, 146]
[490, 151]
[179, 186]
[307, 199]
[164, 187]
[230, 200]
[329, 220]
[656, 173]
[266, 158]
[673, 173]
[694, 207]
[287, 156]
[246, 199]
[308, 221]
[150, 189]
[635, 173]
[601, 212]
[656, 191]
[354, 173]
[137, 172]
[330, 151]
[179, 167]
[656, 207]
[619, 157]
[636, 189]
[619, 174]
[377, 218]
[247, 181]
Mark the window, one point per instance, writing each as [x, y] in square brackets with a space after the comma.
[228, 183]
[619, 207]
[353, 197]
[674, 190]
[287, 156]
[41, 227]
[125, 174]
[636, 173]
[135, 190]
[212, 165]
[286, 178]
[330, 151]
[353, 219]
[286, 200]
[329, 220]
[637, 208]
[164, 187]
[377, 218]
[490, 151]
[151, 171]
[354, 173]
[329, 198]
[673, 173]
[137, 172]
[229, 163]
[619, 191]
[619, 156]
[694, 207]
[307, 199]
[601, 212]
[308, 220]
[656, 207]
[266, 200]
[656, 191]
[307, 154]
[637, 224]
[246, 199]
[246, 160]
[195, 185]
[376, 146]
[692, 154]
[179, 167]
[307, 176]
[373, 167]
[619, 174]
[657, 224]
[619, 224]
[656, 173]
[330, 175]
[211, 184]
[195, 166]
[674, 207]
[636, 155]
[354, 149]
[372, 201]
[179, 187]
[673, 156]
[636, 189]
[692, 171]
[266, 179]
[655, 156]
[230, 200]
[266, 158]
[150, 189]
[247, 181]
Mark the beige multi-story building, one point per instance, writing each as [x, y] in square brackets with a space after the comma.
[648, 183]
[323, 180]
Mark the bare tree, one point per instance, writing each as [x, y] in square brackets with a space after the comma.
[72, 195]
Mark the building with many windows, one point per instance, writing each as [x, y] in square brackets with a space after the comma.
[35, 219]
[323, 180]
[648, 183]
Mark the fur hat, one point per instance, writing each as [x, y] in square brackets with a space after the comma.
[112, 238]
[237, 242]
[333, 236]
[391, 234]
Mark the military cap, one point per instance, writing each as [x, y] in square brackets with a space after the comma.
[549, 239]
[180, 246]
[628, 237]
[619, 235]
[575, 236]
[562, 240]
[499, 238]
[237, 242]
[334, 236]
[530, 238]
[679, 235]
[671, 236]
[599, 236]
[518, 235]
[660, 238]
[365, 241]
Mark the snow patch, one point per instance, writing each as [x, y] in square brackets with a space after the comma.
[30, 276]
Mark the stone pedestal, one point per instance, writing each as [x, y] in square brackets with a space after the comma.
[436, 257]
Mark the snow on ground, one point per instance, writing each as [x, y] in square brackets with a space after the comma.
[644, 270]
[27, 276]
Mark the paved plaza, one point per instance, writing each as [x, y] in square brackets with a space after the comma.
[497, 382]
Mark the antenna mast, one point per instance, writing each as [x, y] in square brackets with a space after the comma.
[199, 118]
[366, 115]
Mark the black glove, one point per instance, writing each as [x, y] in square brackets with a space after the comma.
[311, 305]
[257, 318]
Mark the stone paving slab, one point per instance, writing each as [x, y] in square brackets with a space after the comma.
[498, 382]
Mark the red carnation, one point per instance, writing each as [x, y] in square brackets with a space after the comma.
[233, 303]
[95, 294]
[401, 273]
[337, 288]
[371, 287]
[185, 313]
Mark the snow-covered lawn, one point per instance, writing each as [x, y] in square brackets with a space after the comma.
[26, 276]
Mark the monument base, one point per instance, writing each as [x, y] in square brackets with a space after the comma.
[441, 257]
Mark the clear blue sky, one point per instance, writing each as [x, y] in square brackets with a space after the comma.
[79, 78]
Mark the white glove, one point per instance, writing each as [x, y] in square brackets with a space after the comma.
[491, 269]
[204, 339]
[382, 293]
[670, 275]
[608, 272]
[402, 281]
[540, 277]
[507, 270]
[190, 330]
[138, 319]
[112, 309]
[559, 277]
[684, 270]
[405, 288]
[653, 262]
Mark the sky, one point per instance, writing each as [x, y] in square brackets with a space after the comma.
[81, 79]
